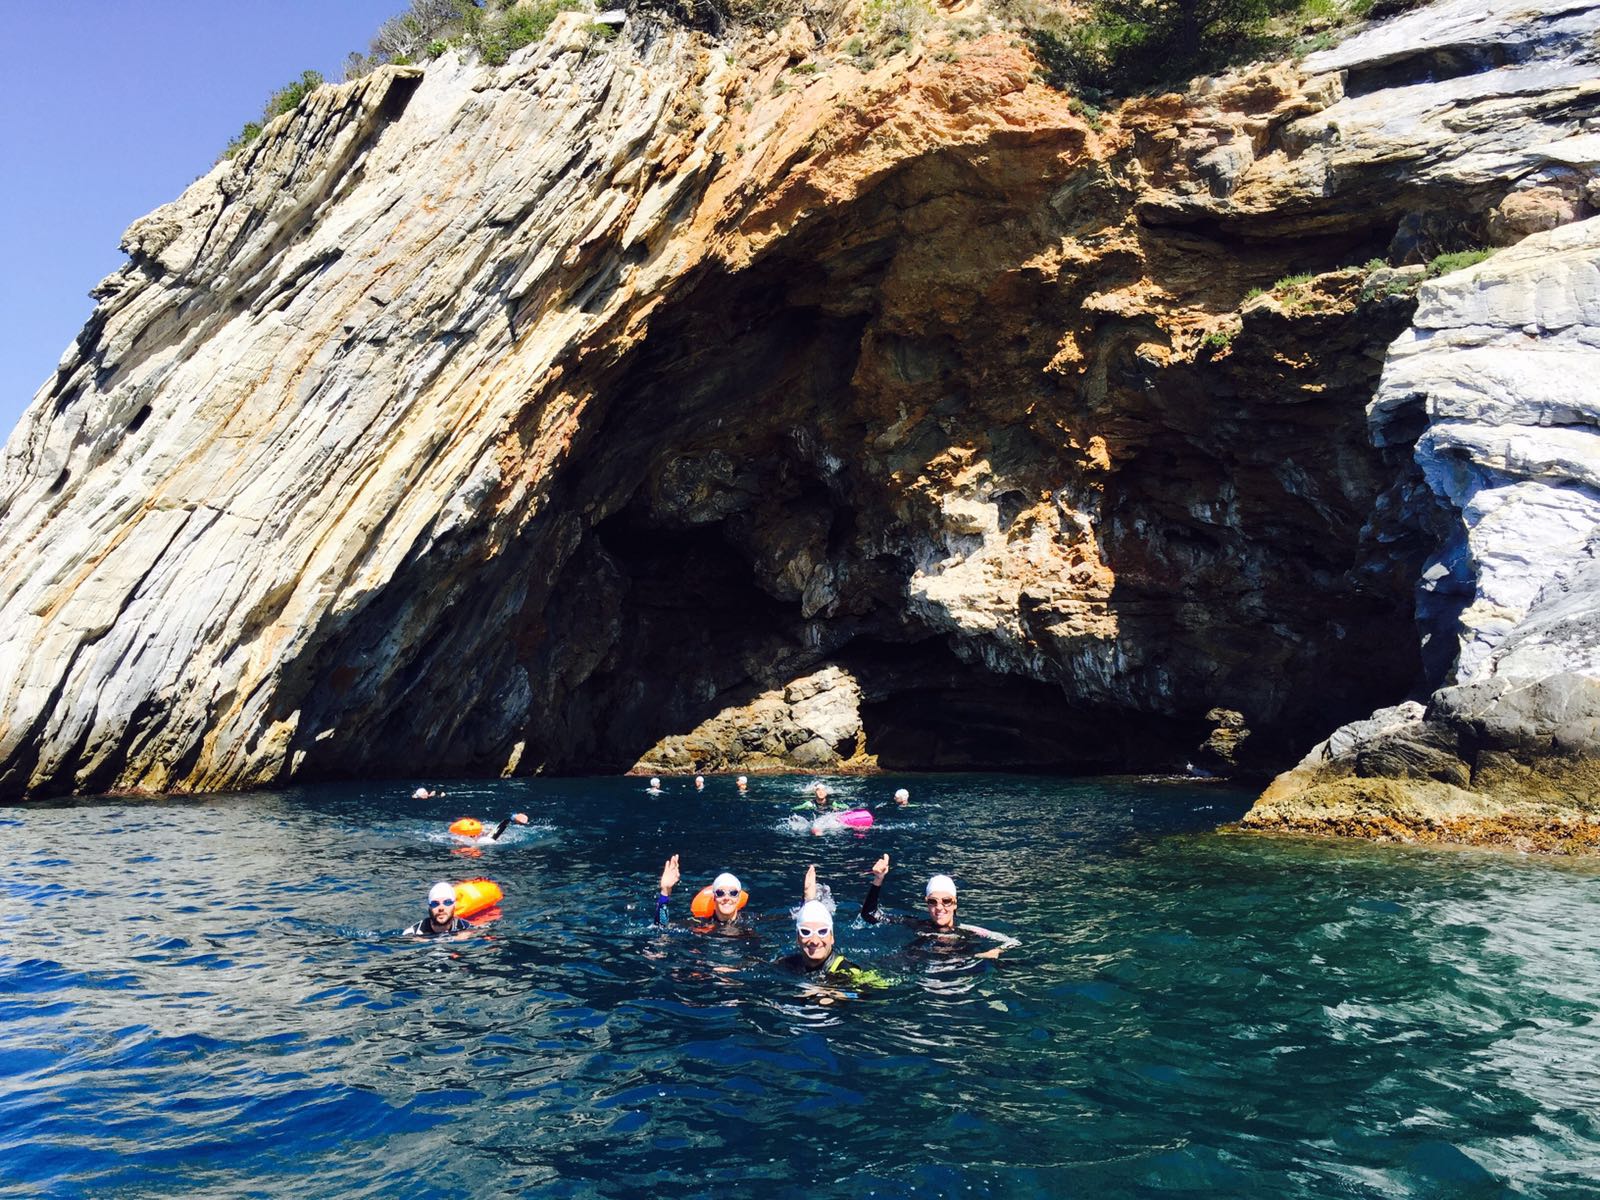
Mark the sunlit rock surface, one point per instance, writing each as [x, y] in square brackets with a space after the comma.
[513, 419]
[1499, 370]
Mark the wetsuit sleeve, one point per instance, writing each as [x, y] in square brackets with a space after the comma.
[869, 906]
[661, 908]
[1006, 941]
[499, 829]
[413, 930]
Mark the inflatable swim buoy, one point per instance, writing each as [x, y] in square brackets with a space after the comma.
[704, 903]
[856, 818]
[467, 826]
[473, 896]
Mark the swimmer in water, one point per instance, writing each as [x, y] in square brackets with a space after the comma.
[728, 899]
[940, 897]
[655, 787]
[743, 784]
[441, 918]
[519, 818]
[699, 783]
[902, 798]
[821, 800]
[423, 793]
[815, 958]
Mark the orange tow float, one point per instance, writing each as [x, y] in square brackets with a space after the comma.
[474, 896]
[466, 826]
[704, 903]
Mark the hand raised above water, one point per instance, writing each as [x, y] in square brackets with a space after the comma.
[669, 875]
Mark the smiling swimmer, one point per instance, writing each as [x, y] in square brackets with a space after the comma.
[816, 957]
[720, 904]
[441, 918]
[940, 897]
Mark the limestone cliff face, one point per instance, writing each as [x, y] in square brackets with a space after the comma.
[1499, 371]
[516, 419]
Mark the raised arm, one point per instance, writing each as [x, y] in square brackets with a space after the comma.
[669, 880]
[869, 906]
[808, 889]
[519, 818]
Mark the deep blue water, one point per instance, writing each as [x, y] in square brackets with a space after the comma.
[208, 998]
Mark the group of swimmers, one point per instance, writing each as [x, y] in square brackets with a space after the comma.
[821, 801]
[816, 956]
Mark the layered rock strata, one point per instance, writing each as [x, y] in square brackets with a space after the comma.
[516, 419]
[1499, 373]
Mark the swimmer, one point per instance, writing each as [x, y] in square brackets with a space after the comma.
[472, 827]
[423, 793]
[699, 783]
[815, 957]
[940, 897]
[902, 798]
[743, 784]
[727, 900]
[655, 787]
[821, 800]
[441, 918]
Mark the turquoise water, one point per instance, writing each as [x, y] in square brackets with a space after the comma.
[208, 998]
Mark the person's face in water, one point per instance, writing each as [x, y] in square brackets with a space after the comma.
[822, 796]
[441, 911]
[942, 911]
[816, 939]
[726, 901]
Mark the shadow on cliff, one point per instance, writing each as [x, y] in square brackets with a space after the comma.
[758, 478]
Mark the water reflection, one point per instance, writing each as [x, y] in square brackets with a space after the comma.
[210, 998]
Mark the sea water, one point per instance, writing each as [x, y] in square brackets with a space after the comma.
[210, 998]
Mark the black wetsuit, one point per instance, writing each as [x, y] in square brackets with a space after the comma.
[836, 968]
[733, 928]
[426, 928]
[929, 935]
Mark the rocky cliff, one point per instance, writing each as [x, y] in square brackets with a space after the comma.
[555, 415]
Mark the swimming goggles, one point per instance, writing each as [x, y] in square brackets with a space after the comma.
[724, 893]
[806, 931]
[441, 903]
[941, 902]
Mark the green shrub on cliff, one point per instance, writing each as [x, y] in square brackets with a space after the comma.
[1446, 263]
[503, 34]
[285, 99]
[1125, 46]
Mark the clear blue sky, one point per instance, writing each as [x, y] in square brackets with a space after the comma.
[111, 108]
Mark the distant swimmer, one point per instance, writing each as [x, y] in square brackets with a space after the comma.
[743, 784]
[721, 907]
[902, 797]
[699, 783]
[471, 827]
[655, 787]
[816, 960]
[441, 918]
[423, 793]
[940, 897]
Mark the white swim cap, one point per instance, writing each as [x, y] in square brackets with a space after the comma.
[902, 794]
[442, 891]
[727, 880]
[699, 778]
[940, 885]
[815, 914]
[742, 779]
[655, 782]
